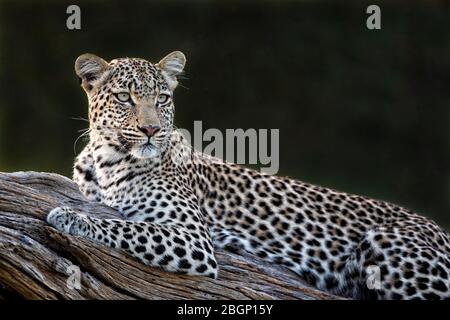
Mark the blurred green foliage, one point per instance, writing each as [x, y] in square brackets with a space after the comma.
[361, 111]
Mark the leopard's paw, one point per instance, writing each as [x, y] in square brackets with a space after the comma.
[68, 221]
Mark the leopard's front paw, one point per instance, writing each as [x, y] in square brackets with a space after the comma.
[66, 220]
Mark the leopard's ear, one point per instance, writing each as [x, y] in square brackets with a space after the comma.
[90, 69]
[172, 66]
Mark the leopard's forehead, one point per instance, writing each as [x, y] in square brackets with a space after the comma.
[138, 75]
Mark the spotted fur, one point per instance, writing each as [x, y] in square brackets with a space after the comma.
[176, 202]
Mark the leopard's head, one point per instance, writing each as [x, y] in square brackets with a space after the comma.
[131, 101]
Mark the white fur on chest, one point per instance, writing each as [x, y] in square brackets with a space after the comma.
[121, 178]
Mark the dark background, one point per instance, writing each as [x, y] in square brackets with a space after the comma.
[361, 111]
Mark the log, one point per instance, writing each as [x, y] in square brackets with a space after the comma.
[38, 262]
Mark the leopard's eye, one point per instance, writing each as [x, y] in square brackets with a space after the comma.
[162, 98]
[123, 96]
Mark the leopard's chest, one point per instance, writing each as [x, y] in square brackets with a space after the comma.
[122, 178]
[139, 190]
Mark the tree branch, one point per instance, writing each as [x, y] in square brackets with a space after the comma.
[36, 260]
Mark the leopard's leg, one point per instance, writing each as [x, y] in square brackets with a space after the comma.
[395, 263]
[171, 247]
[85, 176]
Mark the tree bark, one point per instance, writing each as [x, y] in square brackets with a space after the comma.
[38, 262]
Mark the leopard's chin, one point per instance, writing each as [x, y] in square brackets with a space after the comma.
[145, 151]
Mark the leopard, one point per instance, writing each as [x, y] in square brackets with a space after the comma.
[178, 205]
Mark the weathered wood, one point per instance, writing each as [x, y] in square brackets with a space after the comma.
[36, 260]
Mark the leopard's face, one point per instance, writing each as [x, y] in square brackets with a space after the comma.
[131, 101]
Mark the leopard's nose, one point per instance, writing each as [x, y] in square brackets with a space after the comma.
[149, 131]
